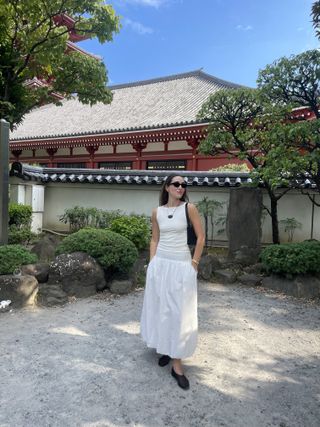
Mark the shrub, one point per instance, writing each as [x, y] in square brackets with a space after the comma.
[79, 217]
[135, 228]
[112, 251]
[20, 215]
[292, 258]
[13, 256]
[19, 235]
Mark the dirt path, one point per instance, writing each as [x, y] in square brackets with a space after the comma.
[257, 364]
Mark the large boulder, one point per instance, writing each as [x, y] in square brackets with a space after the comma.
[51, 295]
[20, 290]
[120, 286]
[301, 286]
[45, 248]
[78, 274]
[40, 271]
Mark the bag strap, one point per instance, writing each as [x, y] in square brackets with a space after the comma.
[187, 214]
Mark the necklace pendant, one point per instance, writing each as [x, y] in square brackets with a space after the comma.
[170, 216]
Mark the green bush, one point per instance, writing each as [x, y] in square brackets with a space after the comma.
[135, 228]
[13, 256]
[112, 251]
[79, 217]
[20, 215]
[19, 235]
[292, 258]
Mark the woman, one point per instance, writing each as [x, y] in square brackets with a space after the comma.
[169, 321]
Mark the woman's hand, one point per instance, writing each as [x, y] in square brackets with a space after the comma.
[195, 264]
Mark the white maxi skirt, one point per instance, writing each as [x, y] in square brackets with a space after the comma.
[169, 320]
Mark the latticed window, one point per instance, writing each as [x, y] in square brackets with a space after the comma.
[166, 164]
[71, 165]
[115, 165]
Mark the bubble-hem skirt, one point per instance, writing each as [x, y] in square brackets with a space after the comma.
[169, 319]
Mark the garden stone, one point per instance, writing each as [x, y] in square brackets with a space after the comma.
[78, 274]
[207, 265]
[51, 295]
[226, 276]
[138, 268]
[250, 279]
[301, 286]
[121, 286]
[254, 268]
[40, 271]
[21, 290]
[46, 247]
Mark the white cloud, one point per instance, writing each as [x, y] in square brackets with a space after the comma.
[137, 27]
[244, 27]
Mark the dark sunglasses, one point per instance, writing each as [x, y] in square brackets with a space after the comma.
[178, 184]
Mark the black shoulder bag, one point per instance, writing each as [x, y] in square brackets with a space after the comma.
[191, 235]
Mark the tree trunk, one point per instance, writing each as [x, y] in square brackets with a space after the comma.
[274, 218]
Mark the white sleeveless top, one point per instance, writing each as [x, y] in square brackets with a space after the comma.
[173, 231]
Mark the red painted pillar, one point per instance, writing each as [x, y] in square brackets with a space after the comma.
[194, 143]
[139, 146]
[91, 150]
[51, 152]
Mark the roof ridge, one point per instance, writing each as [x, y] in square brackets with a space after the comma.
[194, 73]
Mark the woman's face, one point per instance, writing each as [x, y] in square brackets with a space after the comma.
[174, 190]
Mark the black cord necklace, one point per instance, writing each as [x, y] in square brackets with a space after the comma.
[170, 216]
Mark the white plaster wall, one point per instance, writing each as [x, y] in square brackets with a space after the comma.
[125, 148]
[154, 146]
[80, 150]
[26, 153]
[178, 145]
[105, 149]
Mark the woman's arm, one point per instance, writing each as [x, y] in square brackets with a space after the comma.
[196, 222]
[155, 234]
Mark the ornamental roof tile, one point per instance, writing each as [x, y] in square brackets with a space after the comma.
[136, 177]
[167, 101]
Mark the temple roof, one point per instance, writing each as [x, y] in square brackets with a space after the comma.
[148, 104]
[138, 177]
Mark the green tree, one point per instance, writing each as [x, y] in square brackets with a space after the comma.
[315, 13]
[295, 81]
[33, 43]
[243, 125]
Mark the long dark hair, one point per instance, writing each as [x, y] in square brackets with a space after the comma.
[164, 196]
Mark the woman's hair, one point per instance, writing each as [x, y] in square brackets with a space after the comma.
[164, 196]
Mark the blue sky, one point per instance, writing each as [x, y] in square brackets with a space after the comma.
[230, 39]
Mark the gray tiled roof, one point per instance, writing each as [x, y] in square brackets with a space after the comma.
[167, 101]
[146, 177]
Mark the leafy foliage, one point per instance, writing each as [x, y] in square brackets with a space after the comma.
[315, 13]
[231, 167]
[292, 258]
[135, 228]
[208, 208]
[20, 215]
[34, 44]
[113, 251]
[290, 225]
[20, 224]
[13, 256]
[244, 125]
[80, 217]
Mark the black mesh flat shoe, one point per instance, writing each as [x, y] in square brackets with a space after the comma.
[181, 380]
[164, 360]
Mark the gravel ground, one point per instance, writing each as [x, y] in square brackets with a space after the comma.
[257, 364]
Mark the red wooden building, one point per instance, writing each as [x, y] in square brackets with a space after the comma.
[150, 125]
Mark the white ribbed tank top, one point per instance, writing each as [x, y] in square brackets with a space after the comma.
[173, 231]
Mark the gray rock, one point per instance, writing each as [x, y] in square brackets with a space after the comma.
[225, 276]
[138, 269]
[301, 286]
[21, 290]
[51, 295]
[121, 286]
[78, 274]
[254, 268]
[40, 271]
[46, 247]
[250, 279]
[207, 265]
